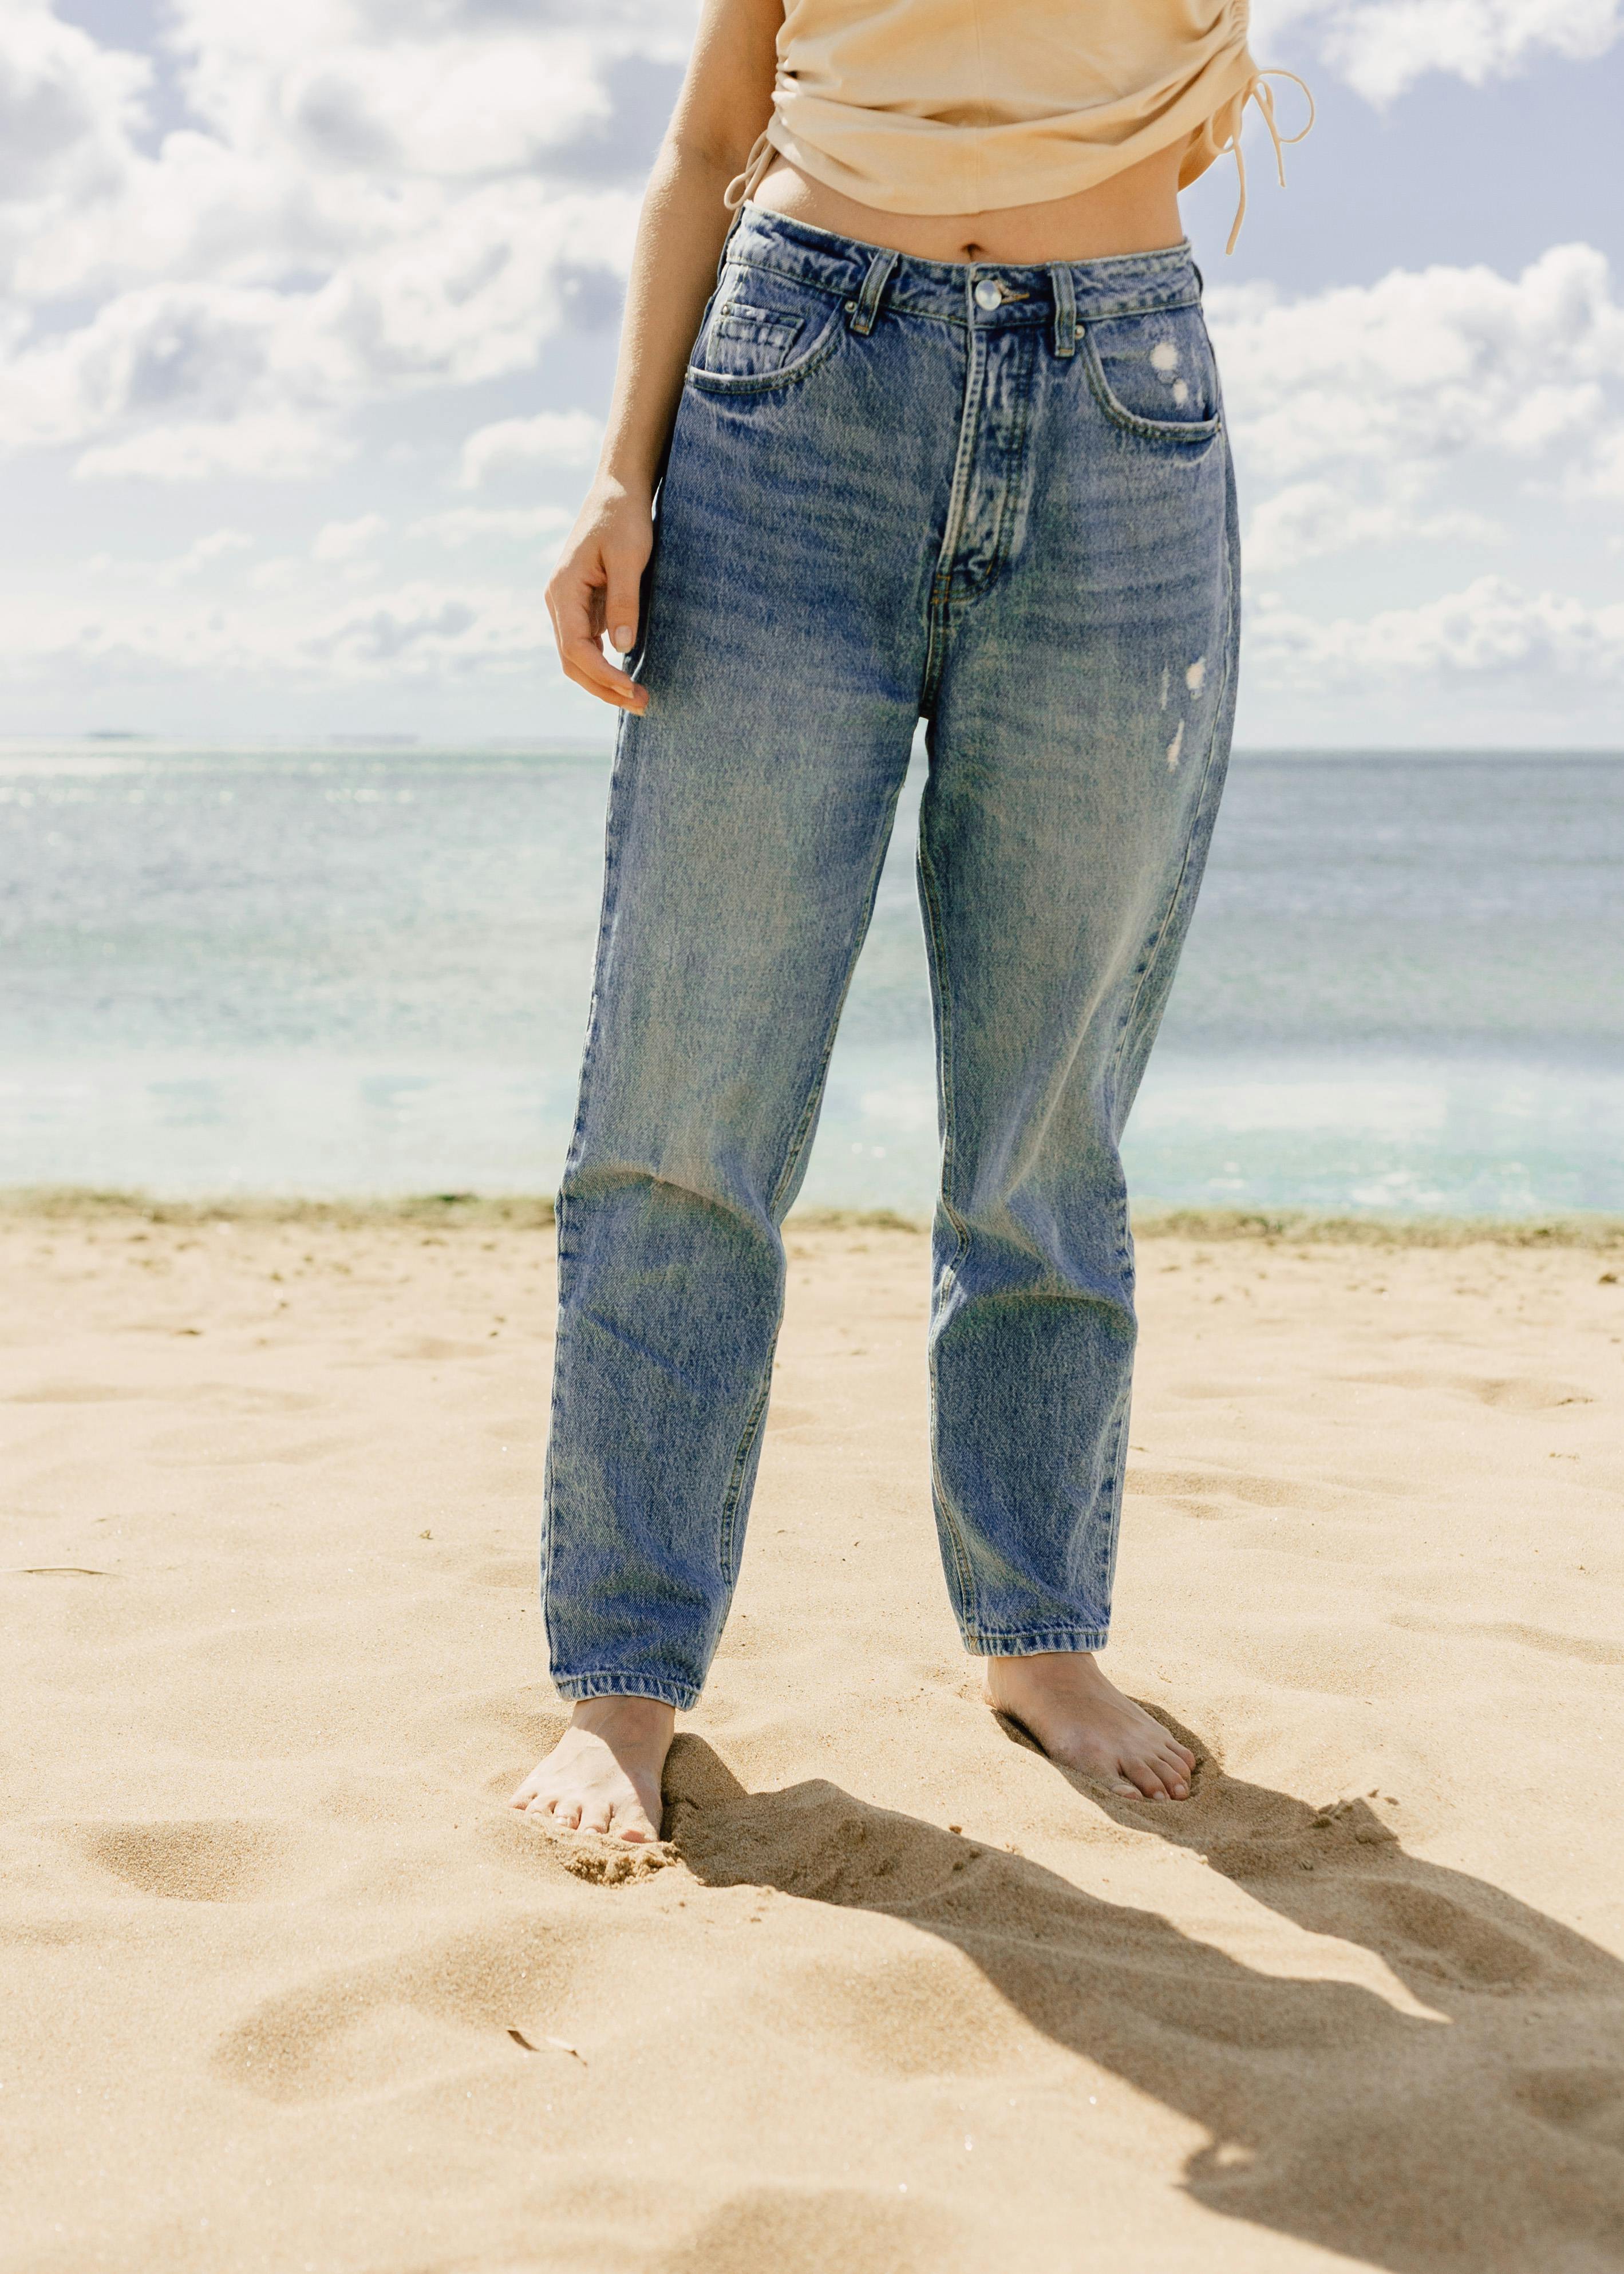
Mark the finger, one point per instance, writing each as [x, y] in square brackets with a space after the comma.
[586, 663]
[583, 658]
[621, 599]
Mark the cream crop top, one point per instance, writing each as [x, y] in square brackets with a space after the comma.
[964, 106]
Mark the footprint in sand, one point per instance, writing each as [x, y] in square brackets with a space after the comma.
[433, 1346]
[508, 1571]
[906, 2014]
[1581, 1647]
[782, 1419]
[1209, 1484]
[237, 1455]
[77, 1393]
[1518, 1394]
[1589, 2101]
[432, 2012]
[1433, 1934]
[810, 2230]
[223, 1861]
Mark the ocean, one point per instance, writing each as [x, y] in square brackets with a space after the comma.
[364, 971]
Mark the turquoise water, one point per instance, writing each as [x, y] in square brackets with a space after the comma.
[347, 971]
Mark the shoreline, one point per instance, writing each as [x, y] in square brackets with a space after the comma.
[483, 1212]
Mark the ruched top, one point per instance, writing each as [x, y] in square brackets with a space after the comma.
[965, 106]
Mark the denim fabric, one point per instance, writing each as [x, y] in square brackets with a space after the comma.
[998, 498]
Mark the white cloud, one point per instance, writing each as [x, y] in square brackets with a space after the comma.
[1306, 520]
[368, 202]
[67, 106]
[471, 524]
[552, 438]
[1350, 408]
[1491, 630]
[423, 629]
[347, 541]
[275, 447]
[1382, 47]
[218, 545]
[415, 631]
[1434, 361]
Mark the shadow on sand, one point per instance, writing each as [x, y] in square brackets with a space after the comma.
[1488, 2141]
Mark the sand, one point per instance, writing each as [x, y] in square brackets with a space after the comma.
[287, 1987]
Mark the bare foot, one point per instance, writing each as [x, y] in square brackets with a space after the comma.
[1083, 1722]
[604, 1774]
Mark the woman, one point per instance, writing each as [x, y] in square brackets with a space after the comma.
[943, 442]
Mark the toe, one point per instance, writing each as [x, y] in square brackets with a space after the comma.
[1145, 1778]
[566, 1814]
[595, 1817]
[1174, 1774]
[630, 1820]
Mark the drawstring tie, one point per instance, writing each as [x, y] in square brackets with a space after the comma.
[1258, 90]
[745, 185]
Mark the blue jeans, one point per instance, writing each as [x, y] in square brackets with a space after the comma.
[998, 498]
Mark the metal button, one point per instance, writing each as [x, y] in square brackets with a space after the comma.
[989, 292]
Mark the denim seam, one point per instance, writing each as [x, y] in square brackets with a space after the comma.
[840, 293]
[1011, 499]
[613, 829]
[898, 304]
[935, 936]
[941, 582]
[989, 1641]
[797, 1147]
[741, 1462]
[683, 1695]
[1117, 1470]
[1147, 962]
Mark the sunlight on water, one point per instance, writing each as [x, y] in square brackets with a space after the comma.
[341, 971]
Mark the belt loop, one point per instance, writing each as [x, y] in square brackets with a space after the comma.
[866, 307]
[1065, 308]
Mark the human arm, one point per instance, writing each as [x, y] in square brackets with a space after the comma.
[726, 98]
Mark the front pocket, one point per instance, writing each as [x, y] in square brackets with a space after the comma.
[749, 343]
[1154, 374]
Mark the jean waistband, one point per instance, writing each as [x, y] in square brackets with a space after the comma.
[962, 291]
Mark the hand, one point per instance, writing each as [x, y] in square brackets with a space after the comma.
[595, 587]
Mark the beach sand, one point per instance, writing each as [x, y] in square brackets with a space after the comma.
[287, 1986]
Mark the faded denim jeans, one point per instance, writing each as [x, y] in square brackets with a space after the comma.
[998, 498]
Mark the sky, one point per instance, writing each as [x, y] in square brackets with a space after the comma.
[308, 320]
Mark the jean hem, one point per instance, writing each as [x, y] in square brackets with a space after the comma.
[1033, 1642]
[571, 1687]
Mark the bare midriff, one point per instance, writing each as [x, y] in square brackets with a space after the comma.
[1135, 211]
